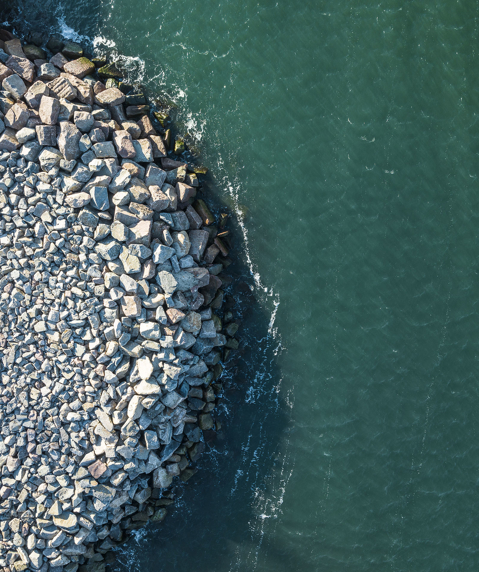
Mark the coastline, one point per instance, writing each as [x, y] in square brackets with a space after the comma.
[119, 257]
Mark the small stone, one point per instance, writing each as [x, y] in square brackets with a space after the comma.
[110, 97]
[77, 200]
[131, 306]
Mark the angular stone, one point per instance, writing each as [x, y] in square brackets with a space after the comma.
[147, 387]
[110, 97]
[108, 249]
[58, 60]
[80, 67]
[14, 85]
[67, 521]
[167, 282]
[143, 150]
[16, 117]
[161, 478]
[105, 149]
[131, 306]
[8, 140]
[124, 144]
[69, 141]
[145, 368]
[21, 66]
[155, 176]
[162, 253]
[62, 88]
[185, 192]
[199, 240]
[49, 110]
[46, 135]
[83, 120]
[77, 200]
[99, 198]
[48, 72]
[4, 72]
[97, 469]
[49, 158]
[158, 146]
[158, 201]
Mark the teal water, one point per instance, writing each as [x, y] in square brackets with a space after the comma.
[345, 136]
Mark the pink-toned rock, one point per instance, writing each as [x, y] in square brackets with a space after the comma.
[97, 469]
[85, 92]
[124, 144]
[185, 192]
[58, 60]
[49, 110]
[23, 67]
[62, 88]
[80, 67]
[111, 96]
[4, 72]
[14, 48]
[146, 126]
[158, 146]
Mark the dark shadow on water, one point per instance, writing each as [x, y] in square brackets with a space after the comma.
[215, 523]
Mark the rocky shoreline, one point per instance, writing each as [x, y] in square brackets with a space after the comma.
[111, 295]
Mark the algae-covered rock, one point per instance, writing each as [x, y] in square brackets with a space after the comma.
[72, 50]
[110, 70]
[135, 99]
[179, 146]
[201, 208]
[162, 117]
[159, 515]
[99, 62]
[34, 52]
[55, 44]
[111, 82]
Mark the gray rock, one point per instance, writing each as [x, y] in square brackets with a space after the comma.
[49, 110]
[14, 85]
[162, 253]
[84, 121]
[46, 135]
[68, 141]
[99, 198]
[124, 144]
[143, 151]
[105, 149]
[167, 282]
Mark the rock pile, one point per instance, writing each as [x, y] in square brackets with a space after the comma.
[110, 346]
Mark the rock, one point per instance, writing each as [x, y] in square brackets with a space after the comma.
[80, 67]
[124, 144]
[110, 97]
[21, 66]
[198, 240]
[83, 120]
[167, 282]
[69, 140]
[62, 88]
[47, 72]
[46, 135]
[147, 387]
[99, 198]
[77, 200]
[49, 110]
[72, 50]
[16, 117]
[66, 521]
[162, 253]
[143, 151]
[131, 306]
[105, 149]
[4, 72]
[14, 85]
[145, 368]
[155, 176]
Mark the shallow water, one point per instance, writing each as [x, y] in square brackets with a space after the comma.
[345, 136]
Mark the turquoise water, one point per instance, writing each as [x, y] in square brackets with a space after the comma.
[345, 137]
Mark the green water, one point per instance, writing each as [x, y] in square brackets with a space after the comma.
[347, 133]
